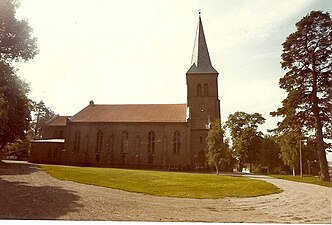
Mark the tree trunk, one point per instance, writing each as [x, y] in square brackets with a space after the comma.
[217, 170]
[319, 131]
[293, 171]
[250, 167]
[240, 166]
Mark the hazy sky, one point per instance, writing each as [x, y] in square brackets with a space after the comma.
[131, 52]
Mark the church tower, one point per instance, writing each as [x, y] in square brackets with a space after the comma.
[202, 97]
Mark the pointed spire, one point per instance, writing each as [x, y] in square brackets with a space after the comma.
[200, 61]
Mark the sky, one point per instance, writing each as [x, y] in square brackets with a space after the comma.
[138, 52]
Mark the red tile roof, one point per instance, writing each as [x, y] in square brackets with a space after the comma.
[132, 113]
[57, 121]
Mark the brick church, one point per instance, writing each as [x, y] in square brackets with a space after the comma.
[163, 136]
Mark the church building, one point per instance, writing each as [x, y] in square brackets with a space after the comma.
[161, 136]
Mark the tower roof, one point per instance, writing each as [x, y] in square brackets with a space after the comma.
[200, 61]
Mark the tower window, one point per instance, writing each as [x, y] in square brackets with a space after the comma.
[200, 139]
[176, 142]
[199, 90]
[206, 90]
[151, 142]
[99, 141]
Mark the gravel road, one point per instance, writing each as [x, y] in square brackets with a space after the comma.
[26, 192]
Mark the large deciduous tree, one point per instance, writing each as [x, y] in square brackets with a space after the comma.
[16, 44]
[269, 154]
[307, 58]
[245, 137]
[218, 153]
[16, 40]
[14, 106]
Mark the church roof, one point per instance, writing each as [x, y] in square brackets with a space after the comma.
[57, 121]
[132, 113]
[200, 62]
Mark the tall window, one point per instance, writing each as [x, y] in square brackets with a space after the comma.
[99, 142]
[77, 142]
[206, 90]
[199, 90]
[111, 143]
[124, 141]
[151, 142]
[176, 142]
[137, 143]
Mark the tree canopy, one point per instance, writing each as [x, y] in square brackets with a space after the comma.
[218, 153]
[307, 58]
[14, 106]
[16, 44]
[16, 40]
[245, 137]
[41, 114]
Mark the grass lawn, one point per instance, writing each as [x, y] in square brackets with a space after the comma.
[171, 184]
[304, 179]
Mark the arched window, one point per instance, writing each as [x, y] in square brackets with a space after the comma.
[176, 142]
[137, 143]
[99, 140]
[111, 143]
[199, 90]
[151, 142]
[77, 142]
[124, 141]
[206, 90]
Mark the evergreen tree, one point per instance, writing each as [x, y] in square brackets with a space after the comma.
[307, 58]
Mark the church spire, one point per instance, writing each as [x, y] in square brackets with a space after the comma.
[200, 61]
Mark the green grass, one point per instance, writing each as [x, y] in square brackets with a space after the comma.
[305, 179]
[170, 184]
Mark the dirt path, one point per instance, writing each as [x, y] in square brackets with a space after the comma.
[29, 193]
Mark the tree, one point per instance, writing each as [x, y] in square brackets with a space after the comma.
[16, 44]
[217, 150]
[289, 149]
[15, 106]
[16, 40]
[307, 58]
[269, 154]
[41, 114]
[245, 137]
